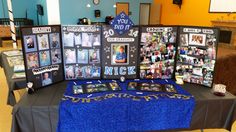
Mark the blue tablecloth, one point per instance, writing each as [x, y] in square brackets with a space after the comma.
[125, 110]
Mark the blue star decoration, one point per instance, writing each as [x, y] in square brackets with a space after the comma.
[121, 23]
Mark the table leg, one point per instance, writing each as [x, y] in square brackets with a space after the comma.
[0, 42]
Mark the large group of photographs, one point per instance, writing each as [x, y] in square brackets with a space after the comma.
[82, 52]
[95, 88]
[157, 52]
[41, 50]
[197, 55]
[151, 87]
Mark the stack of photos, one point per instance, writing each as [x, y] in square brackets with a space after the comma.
[15, 60]
[151, 87]
[42, 53]
[13, 53]
[157, 52]
[95, 88]
[120, 53]
[81, 45]
[197, 55]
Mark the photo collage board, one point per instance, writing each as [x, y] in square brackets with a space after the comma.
[197, 54]
[42, 55]
[157, 52]
[120, 53]
[81, 51]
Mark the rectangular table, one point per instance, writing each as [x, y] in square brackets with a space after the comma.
[39, 112]
[13, 84]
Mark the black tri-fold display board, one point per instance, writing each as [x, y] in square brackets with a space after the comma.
[120, 53]
[42, 55]
[197, 54]
[55, 53]
[157, 52]
[81, 51]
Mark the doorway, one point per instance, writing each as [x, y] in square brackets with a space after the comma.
[144, 13]
[122, 6]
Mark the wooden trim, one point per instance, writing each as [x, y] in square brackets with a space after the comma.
[122, 3]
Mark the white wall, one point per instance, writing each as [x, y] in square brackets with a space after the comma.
[223, 6]
[53, 10]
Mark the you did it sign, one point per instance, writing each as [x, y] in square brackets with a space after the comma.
[121, 23]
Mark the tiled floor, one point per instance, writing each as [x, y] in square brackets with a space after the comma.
[5, 110]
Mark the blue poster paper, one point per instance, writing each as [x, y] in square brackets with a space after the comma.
[121, 23]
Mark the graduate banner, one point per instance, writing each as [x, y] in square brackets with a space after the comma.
[125, 111]
[42, 55]
[119, 53]
[157, 52]
[81, 46]
[197, 54]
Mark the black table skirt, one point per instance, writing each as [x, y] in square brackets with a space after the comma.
[13, 84]
[39, 112]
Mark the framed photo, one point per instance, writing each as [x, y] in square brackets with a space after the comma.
[87, 72]
[96, 88]
[54, 40]
[114, 86]
[32, 60]
[70, 72]
[43, 41]
[78, 89]
[70, 56]
[120, 54]
[87, 39]
[132, 86]
[30, 43]
[96, 71]
[78, 72]
[96, 40]
[46, 78]
[197, 39]
[78, 39]
[82, 56]
[68, 39]
[42, 55]
[56, 56]
[183, 39]
[94, 56]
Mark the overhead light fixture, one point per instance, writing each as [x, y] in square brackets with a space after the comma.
[88, 5]
[114, 6]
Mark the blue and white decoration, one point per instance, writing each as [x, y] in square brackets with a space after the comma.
[121, 23]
